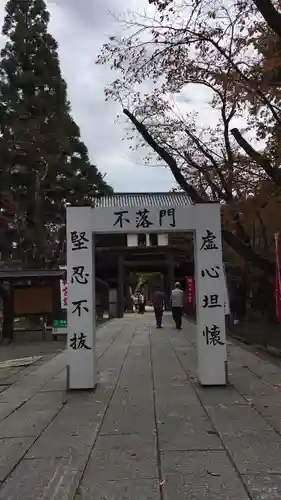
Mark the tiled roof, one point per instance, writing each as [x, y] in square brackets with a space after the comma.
[6, 273]
[127, 200]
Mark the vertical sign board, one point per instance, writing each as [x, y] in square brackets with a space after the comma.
[210, 289]
[205, 220]
[81, 299]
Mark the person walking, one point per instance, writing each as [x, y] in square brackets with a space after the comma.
[141, 303]
[159, 300]
[177, 302]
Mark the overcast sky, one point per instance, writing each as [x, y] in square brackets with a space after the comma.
[81, 27]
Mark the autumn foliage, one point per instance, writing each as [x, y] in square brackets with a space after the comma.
[228, 52]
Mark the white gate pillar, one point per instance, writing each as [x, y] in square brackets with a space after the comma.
[205, 220]
[81, 310]
[211, 338]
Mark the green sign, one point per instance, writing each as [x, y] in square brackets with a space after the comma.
[60, 323]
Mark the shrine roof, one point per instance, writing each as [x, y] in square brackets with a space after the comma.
[135, 200]
[8, 273]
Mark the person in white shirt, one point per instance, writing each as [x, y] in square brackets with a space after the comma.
[177, 302]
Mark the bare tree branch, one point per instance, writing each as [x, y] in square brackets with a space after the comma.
[251, 83]
[204, 172]
[230, 238]
[210, 157]
[190, 190]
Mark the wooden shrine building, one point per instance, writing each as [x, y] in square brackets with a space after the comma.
[119, 255]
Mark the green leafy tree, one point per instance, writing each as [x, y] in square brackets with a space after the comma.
[44, 163]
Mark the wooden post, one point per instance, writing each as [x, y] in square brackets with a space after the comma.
[171, 270]
[7, 295]
[120, 285]
[166, 289]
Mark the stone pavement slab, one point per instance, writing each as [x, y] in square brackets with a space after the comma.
[128, 415]
[234, 420]
[132, 489]
[187, 433]
[201, 475]
[7, 408]
[55, 479]
[264, 487]
[11, 451]
[255, 452]
[126, 456]
[32, 418]
[72, 432]
[150, 431]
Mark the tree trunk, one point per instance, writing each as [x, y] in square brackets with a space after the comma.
[270, 15]
[261, 160]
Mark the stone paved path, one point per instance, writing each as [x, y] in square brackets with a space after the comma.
[45, 351]
[150, 431]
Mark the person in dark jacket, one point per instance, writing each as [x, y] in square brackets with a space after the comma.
[159, 300]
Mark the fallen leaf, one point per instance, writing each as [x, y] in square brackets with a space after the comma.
[162, 483]
[212, 474]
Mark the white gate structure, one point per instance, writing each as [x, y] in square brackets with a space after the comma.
[204, 220]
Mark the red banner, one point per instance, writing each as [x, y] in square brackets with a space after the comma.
[64, 294]
[277, 281]
[190, 290]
